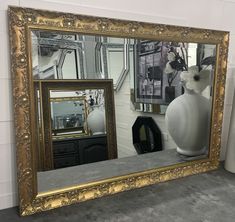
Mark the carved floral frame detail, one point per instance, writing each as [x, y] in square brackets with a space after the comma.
[21, 21]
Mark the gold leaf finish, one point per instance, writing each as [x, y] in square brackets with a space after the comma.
[21, 21]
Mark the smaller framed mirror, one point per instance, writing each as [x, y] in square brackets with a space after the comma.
[75, 121]
[68, 115]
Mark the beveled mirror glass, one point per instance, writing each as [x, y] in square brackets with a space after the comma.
[103, 105]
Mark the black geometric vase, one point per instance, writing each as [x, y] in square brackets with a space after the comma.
[169, 94]
[146, 135]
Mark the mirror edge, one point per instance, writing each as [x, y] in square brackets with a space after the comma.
[20, 21]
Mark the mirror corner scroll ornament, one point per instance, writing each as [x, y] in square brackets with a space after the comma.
[21, 22]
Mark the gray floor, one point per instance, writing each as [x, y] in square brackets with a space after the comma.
[208, 197]
[71, 176]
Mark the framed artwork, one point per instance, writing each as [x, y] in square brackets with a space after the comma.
[155, 84]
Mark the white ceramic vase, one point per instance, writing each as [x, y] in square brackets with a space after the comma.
[96, 120]
[187, 122]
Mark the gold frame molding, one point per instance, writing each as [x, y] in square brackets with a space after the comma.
[21, 21]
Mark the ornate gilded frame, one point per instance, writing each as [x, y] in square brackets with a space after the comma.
[21, 21]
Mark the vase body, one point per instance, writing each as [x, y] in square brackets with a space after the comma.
[230, 149]
[187, 122]
[96, 120]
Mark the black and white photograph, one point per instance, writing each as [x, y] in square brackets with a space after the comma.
[158, 65]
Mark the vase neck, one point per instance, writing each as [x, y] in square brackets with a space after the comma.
[189, 91]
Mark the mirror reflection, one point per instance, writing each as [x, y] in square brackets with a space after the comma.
[162, 92]
[80, 137]
[68, 115]
[71, 113]
[76, 118]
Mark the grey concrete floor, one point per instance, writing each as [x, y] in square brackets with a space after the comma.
[208, 197]
[71, 176]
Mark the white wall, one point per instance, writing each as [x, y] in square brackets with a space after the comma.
[213, 14]
[125, 118]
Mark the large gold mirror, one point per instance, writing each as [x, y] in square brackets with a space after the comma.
[104, 105]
